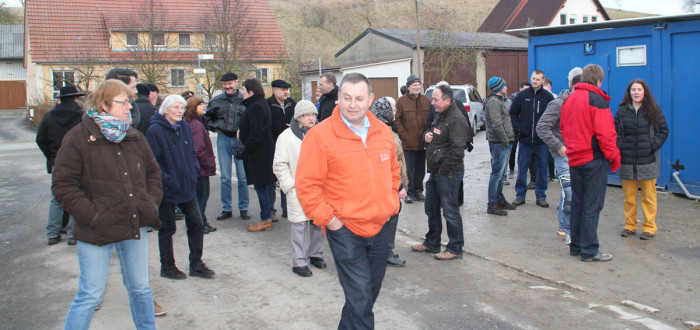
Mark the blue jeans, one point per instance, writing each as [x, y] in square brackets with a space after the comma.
[361, 265]
[53, 228]
[588, 185]
[561, 168]
[225, 148]
[524, 158]
[266, 196]
[203, 197]
[94, 265]
[442, 191]
[499, 166]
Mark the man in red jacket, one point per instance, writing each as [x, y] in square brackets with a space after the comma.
[588, 131]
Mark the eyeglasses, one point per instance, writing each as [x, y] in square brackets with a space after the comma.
[124, 103]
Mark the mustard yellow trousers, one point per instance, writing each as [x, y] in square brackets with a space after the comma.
[648, 190]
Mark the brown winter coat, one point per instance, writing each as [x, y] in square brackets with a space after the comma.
[112, 189]
[411, 114]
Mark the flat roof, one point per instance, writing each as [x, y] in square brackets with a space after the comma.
[549, 30]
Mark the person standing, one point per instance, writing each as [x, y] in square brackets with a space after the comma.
[128, 77]
[194, 111]
[446, 139]
[499, 133]
[641, 131]
[588, 131]
[307, 239]
[550, 133]
[525, 112]
[256, 136]
[514, 146]
[107, 178]
[53, 127]
[412, 112]
[281, 113]
[146, 109]
[347, 181]
[329, 97]
[171, 141]
[223, 117]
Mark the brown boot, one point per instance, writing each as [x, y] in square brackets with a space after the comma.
[160, 310]
[260, 226]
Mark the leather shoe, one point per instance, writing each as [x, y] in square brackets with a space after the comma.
[496, 209]
[419, 196]
[646, 236]
[444, 255]
[423, 248]
[395, 261]
[542, 203]
[160, 310]
[260, 226]
[208, 229]
[54, 240]
[627, 233]
[531, 185]
[202, 271]
[508, 206]
[518, 201]
[599, 257]
[303, 271]
[245, 215]
[173, 274]
[318, 262]
[224, 215]
[408, 199]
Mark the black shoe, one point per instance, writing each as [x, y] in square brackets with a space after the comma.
[173, 274]
[599, 257]
[318, 262]
[419, 196]
[224, 215]
[284, 214]
[408, 199]
[508, 206]
[245, 215]
[208, 229]
[542, 203]
[531, 185]
[496, 209]
[72, 241]
[395, 261]
[518, 201]
[202, 271]
[302, 271]
[54, 240]
[179, 215]
[646, 236]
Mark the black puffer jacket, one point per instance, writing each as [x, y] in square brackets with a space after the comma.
[639, 141]
[55, 124]
[224, 113]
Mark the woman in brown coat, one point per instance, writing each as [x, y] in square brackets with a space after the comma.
[108, 179]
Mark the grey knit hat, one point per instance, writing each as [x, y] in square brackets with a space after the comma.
[304, 107]
[383, 111]
[411, 79]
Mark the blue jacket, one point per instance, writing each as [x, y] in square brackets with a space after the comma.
[525, 112]
[177, 157]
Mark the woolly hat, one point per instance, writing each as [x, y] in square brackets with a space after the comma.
[411, 79]
[573, 73]
[304, 107]
[228, 76]
[496, 84]
[142, 89]
[383, 111]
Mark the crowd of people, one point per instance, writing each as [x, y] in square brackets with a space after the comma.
[342, 166]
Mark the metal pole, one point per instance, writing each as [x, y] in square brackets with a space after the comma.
[319, 66]
[199, 66]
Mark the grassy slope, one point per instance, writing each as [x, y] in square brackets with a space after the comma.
[621, 14]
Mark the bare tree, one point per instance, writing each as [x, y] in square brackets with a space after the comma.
[447, 53]
[690, 6]
[368, 12]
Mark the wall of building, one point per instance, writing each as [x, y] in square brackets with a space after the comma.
[12, 70]
[399, 69]
[578, 10]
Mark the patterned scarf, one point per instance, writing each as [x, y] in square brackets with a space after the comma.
[113, 128]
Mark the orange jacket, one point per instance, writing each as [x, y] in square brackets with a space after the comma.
[337, 175]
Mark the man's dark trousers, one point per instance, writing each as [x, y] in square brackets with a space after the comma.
[588, 185]
[361, 264]
[415, 168]
[195, 235]
[541, 152]
[442, 191]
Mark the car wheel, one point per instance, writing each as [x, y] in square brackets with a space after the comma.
[474, 127]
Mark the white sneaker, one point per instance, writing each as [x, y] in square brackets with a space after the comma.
[567, 239]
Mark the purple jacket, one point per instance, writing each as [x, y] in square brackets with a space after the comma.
[202, 143]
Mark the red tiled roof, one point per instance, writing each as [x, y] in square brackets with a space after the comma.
[514, 14]
[63, 30]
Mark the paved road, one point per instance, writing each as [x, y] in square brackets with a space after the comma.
[516, 274]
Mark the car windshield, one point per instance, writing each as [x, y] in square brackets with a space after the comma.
[459, 95]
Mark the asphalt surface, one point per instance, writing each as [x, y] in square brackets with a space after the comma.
[516, 273]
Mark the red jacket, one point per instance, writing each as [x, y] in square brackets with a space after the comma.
[587, 127]
[337, 175]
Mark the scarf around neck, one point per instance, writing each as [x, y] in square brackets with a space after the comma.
[113, 128]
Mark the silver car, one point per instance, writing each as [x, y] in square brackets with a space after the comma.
[469, 96]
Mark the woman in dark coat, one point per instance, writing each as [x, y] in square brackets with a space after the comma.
[107, 178]
[256, 134]
[641, 131]
[194, 111]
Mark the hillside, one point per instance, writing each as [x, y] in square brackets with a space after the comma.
[622, 14]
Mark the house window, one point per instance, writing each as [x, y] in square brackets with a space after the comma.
[594, 18]
[262, 75]
[132, 39]
[572, 19]
[585, 18]
[210, 39]
[562, 19]
[177, 77]
[63, 78]
[185, 40]
[158, 39]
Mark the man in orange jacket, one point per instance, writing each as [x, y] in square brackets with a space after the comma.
[347, 182]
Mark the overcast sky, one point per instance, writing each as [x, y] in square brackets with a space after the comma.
[666, 7]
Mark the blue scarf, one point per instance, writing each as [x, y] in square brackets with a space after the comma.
[113, 128]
